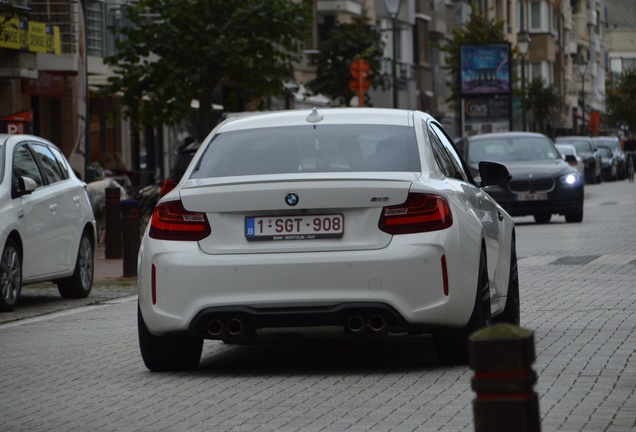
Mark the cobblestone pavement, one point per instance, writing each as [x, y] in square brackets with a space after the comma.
[79, 369]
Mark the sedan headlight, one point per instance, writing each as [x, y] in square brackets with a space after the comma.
[571, 179]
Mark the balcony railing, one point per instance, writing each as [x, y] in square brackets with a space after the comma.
[99, 17]
[61, 13]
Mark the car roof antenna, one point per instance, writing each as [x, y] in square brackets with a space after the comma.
[314, 116]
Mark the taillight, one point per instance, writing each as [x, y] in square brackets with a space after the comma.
[167, 186]
[420, 213]
[170, 221]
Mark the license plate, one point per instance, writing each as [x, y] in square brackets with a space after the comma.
[294, 227]
[532, 197]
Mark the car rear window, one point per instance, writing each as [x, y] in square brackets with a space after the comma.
[614, 144]
[583, 146]
[298, 149]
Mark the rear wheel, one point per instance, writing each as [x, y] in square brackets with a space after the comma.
[542, 218]
[511, 313]
[590, 174]
[574, 217]
[79, 285]
[451, 345]
[167, 353]
[10, 276]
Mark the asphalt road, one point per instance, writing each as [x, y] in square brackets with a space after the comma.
[76, 366]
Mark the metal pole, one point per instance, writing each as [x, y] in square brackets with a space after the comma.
[395, 90]
[583, 103]
[523, 92]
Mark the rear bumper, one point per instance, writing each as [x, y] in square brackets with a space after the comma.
[402, 282]
[356, 318]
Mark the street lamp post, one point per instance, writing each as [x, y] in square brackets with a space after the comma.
[582, 63]
[393, 9]
[523, 43]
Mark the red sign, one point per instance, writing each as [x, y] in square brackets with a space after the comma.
[360, 68]
[17, 123]
[22, 116]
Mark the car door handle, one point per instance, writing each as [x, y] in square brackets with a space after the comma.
[53, 208]
[500, 216]
[76, 200]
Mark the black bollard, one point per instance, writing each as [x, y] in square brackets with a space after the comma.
[501, 357]
[112, 240]
[131, 235]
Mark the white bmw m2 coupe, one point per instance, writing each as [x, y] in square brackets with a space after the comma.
[361, 218]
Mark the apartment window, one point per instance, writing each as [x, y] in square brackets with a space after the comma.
[541, 70]
[421, 43]
[629, 63]
[539, 16]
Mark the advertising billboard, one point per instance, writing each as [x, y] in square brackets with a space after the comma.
[485, 68]
[485, 87]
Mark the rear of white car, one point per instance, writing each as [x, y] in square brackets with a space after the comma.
[373, 246]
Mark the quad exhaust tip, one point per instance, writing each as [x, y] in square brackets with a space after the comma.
[232, 328]
[375, 324]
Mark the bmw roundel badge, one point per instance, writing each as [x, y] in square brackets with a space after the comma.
[291, 199]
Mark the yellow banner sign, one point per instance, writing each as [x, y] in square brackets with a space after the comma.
[32, 36]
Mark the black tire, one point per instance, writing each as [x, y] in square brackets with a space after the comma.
[542, 218]
[590, 174]
[574, 217]
[512, 311]
[451, 345]
[167, 353]
[10, 276]
[80, 284]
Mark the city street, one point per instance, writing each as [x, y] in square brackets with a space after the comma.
[76, 366]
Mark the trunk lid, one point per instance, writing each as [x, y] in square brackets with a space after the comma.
[353, 200]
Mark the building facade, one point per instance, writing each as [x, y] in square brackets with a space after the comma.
[49, 84]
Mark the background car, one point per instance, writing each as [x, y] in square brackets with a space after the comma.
[360, 218]
[47, 226]
[576, 161]
[586, 149]
[615, 145]
[609, 162]
[542, 182]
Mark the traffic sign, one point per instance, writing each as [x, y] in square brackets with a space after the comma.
[360, 67]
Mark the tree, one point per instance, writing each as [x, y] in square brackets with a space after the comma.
[619, 101]
[336, 53]
[223, 51]
[542, 100]
[479, 29]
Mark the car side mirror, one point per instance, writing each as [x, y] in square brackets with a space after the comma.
[23, 186]
[570, 159]
[493, 174]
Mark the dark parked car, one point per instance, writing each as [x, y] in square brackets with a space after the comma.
[542, 184]
[610, 163]
[615, 145]
[587, 150]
